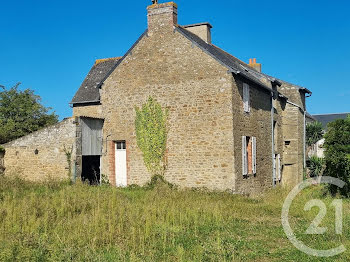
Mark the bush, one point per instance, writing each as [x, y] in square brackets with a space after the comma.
[316, 166]
[337, 155]
[314, 133]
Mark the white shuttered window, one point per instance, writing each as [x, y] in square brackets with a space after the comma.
[246, 97]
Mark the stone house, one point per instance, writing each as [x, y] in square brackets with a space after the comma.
[231, 127]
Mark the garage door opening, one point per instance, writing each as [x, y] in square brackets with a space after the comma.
[91, 149]
[91, 170]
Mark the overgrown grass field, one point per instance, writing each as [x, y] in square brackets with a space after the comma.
[62, 222]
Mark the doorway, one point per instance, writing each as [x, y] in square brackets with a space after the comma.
[91, 170]
[120, 164]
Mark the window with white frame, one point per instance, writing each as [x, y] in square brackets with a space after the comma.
[248, 155]
[246, 97]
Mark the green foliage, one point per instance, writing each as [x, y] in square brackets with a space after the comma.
[158, 181]
[21, 113]
[68, 153]
[104, 180]
[2, 149]
[151, 135]
[314, 133]
[316, 166]
[337, 145]
[76, 222]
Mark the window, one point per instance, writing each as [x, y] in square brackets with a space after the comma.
[248, 155]
[121, 145]
[246, 98]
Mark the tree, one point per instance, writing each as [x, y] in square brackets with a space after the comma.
[21, 113]
[314, 133]
[337, 155]
[151, 135]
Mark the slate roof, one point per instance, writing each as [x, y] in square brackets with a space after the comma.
[89, 91]
[231, 62]
[327, 118]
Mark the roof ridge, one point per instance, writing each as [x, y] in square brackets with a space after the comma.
[102, 60]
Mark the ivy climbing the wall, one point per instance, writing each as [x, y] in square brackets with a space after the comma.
[151, 135]
[69, 152]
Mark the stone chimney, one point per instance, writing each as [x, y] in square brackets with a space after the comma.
[161, 17]
[203, 30]
[254, 64]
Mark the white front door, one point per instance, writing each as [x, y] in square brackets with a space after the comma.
[120, 164]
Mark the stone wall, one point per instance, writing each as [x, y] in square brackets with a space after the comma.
[293, 135]
[257, 123]
[42, 154]
[94, 111]
[196, 89]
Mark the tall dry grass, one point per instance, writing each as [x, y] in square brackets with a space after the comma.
[56, 221]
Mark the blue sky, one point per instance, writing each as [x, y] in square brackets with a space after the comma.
[49, 46]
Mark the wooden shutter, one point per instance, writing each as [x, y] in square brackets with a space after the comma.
[244, 156]
[254, 155]
[246, 97]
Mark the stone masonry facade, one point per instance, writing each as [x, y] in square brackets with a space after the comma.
[41, 155]
[204, 94]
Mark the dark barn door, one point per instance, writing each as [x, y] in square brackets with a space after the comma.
[91, 149]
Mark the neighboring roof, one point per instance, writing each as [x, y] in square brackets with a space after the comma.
[89, 91]
[309, 118]
[327, 118]
[231, 62]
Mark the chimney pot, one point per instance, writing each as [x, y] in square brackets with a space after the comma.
[254, 64]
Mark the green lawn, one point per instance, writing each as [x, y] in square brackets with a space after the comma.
[61, 222]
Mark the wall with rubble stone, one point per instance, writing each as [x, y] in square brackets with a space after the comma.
[41, 155]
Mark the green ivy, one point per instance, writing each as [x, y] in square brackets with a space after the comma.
[151, 135]
[68, 153]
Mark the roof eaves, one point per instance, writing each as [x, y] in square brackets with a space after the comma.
[296, 86]
[84, 102]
